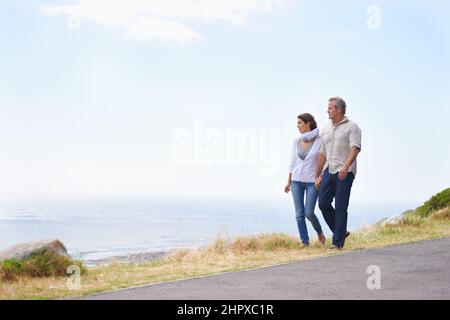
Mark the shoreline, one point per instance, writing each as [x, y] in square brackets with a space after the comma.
[127, 258]
[151, 256]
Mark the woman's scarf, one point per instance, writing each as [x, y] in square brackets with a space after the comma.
[310, 135]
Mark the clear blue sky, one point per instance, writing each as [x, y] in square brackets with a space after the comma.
[93, 110]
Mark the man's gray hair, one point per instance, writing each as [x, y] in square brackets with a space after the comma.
[340, 103]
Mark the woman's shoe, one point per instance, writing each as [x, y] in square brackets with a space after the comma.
[322, 238]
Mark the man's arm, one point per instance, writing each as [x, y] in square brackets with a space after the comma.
[355, 143]
[350, 159]
[320, 164]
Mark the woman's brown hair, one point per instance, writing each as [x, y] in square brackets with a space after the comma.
[308, 118]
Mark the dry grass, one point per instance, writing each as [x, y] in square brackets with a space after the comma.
[224, 255]
[441, 214]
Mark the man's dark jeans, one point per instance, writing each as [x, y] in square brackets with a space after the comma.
[336, 218]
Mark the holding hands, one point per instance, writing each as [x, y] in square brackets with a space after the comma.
[318, 181]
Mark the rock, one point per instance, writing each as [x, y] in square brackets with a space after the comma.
[24, 250]
[393, 219]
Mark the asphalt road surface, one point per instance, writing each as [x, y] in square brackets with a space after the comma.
[419, 270]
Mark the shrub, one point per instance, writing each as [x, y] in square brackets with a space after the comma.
[437, 202]
[46, 264]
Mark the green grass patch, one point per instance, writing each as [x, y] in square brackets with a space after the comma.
[46, 264]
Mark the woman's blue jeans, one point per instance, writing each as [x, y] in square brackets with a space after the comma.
[305, 209]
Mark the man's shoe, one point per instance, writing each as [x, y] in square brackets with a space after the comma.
[333, 247]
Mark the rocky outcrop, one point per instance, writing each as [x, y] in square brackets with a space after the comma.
[25, 250]
[392, 220]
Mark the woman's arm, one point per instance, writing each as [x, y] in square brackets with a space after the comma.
[293, 156]
[288, 185]
[291, 166]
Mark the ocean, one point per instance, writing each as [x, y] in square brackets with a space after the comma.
[96, 229]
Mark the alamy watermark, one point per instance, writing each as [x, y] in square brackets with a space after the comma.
[211, 146]
[74, 279]
[373, 22]
[374, 280]
[73, 21]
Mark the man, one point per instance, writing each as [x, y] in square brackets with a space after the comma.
[340, 145]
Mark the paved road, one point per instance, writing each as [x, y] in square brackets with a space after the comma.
[419, 270]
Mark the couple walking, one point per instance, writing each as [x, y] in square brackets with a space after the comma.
[323, 167]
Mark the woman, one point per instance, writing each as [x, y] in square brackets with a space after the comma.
[305, 151]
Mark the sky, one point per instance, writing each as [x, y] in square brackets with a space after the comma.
[199, 99]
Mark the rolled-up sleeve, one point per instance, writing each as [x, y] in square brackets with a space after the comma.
[355, 136]
[293, 156]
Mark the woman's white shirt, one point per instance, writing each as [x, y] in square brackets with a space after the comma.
[304, 170]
